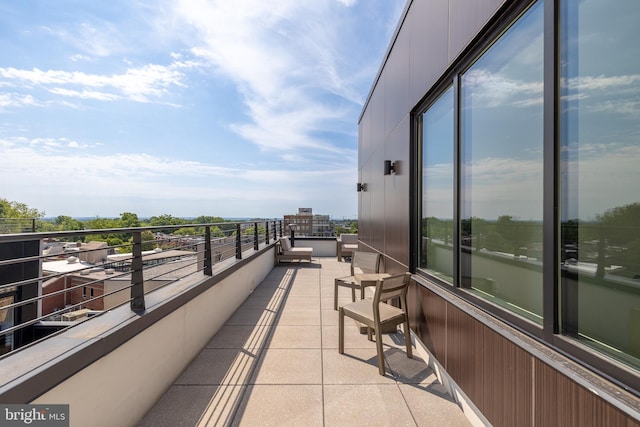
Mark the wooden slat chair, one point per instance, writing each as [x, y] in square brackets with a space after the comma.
[361, 263]
[377, 315]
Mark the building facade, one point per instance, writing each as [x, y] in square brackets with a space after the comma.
[499, 147]
[307, 224]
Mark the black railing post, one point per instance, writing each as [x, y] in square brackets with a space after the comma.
[255, 236]
[208, 270]
[280, 223]
[137, 281]
[238, 242]
[266, 232]
[293, 234]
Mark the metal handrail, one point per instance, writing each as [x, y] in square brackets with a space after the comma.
[23, 293]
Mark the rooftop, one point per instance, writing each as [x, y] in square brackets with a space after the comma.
[276, 362]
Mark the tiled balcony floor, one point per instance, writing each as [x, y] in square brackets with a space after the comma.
[276, 363]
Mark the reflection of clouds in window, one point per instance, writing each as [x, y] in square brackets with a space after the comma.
[614, 94]
[494, 90]
[605, 176]
[504, 186]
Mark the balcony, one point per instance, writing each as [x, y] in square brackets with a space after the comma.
[251, 344]
[276, 362]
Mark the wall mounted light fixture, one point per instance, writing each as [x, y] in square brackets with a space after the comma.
[361, 186]
[389, 167]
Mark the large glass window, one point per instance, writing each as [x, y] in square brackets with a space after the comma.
[436, 250]
[600, 172]
[501, 121]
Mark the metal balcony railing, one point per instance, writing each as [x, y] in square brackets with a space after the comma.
[50, 282]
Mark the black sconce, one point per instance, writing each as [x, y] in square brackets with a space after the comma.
[361, 187]
[389, 167]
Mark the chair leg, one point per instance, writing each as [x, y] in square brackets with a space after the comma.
[407, 339]
[335, 296]
[380, 353]
[341, 330]
[353, 294]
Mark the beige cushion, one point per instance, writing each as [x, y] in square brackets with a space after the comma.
[349, 239]
[285, 243]
[299, 251]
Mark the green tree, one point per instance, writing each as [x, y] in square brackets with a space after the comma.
[618, 236]
[165, 219]
[128, 220]
[11, 209]
[21, 216]
[65, 223]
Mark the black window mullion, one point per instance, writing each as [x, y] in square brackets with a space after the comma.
[551, 174]
[456, 181]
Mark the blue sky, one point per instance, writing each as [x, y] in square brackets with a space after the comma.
[186, 107]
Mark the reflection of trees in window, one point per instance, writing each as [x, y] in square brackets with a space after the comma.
[506, 234]
[611, 242]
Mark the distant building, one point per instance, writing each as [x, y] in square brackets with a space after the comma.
[106, 285]
[302, 221]
[322, 226]
[307, 224]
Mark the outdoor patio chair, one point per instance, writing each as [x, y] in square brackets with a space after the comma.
[361, 263]
[378, 316]
[284, 251]
[346, 244]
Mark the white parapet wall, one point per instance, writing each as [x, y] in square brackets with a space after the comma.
[119, 388]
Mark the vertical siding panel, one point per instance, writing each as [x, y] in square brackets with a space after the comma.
[561, 401]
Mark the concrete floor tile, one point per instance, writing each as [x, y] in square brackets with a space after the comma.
[299, 316]
[352, 337]
[355, 366]
[307, 303]
[244, 317]
[236, 336]
[220, 366]
[289, 366]
[281, 405]
[180, 406]
[295, 336]
[310, 290]
[329, 317]
[260, 303]
[406, 370]
[431, 406]
[365, 405]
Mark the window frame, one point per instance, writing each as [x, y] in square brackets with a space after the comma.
[549, 332]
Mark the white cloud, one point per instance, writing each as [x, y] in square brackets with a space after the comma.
[92, 181]
[283, 57]
[497, 90]
[17, 100]
[149, 83]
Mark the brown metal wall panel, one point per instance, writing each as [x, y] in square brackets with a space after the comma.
[374, 166]
[430, 319]
[465, 354]
[561, 401]
[466, 18]
[428, 24]
[364, 138]
[396, 82]
[396, 199]
[507, 380]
